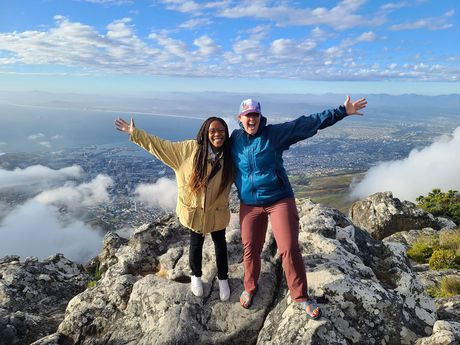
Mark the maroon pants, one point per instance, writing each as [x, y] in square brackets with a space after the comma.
[285, 227]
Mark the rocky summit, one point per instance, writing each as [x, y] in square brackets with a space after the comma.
[34, 295]
[368, 290]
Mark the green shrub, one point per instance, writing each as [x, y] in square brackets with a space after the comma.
[443, 259]
[422, 249]
[91, 284]
[441, 204]
[450, 286]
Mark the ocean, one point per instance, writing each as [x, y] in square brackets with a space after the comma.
[34, 129]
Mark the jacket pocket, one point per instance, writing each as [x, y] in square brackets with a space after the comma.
[191, 217]
[221, 218]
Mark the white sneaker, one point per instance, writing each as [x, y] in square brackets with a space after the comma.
[197, 286]
[224, 290]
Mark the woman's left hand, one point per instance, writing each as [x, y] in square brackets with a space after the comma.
[353, 108]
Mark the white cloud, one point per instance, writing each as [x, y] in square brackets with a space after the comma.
[206, 46]
[342, 16]
[47, 144]
[76, 196]
[34, 229]
[175, 47]
[433, 23]
[435, 166]
[162, 194]
[250, 52]
[364, 37]
[77, 44]
[38, 228]
[37, 174]
[184, 6]
[195, 22]
[36, 136]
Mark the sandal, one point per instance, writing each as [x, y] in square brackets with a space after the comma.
[311, 308]
[246, 299]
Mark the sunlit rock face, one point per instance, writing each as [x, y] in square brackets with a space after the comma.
[382, 215]
[366, 288]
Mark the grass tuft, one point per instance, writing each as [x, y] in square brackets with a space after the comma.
[449, 286]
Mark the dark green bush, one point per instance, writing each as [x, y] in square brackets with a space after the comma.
[441, 204]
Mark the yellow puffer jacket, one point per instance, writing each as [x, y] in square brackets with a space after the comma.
[203, 212]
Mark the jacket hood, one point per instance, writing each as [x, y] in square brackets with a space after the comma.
[262, 124]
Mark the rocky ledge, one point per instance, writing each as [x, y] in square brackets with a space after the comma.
[367, 288]
[34, 295]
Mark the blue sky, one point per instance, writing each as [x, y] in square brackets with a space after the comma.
[106, 46]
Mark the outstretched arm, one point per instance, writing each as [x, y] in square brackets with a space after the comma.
[353, 108]
[124, 126]
[288, 133]
[170, 153]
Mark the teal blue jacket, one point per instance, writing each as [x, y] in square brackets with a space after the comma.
[261, 178]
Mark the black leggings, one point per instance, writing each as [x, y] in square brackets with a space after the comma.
[196, 253]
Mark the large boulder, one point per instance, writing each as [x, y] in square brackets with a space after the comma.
[366, 288]
[382, 215]
[34, 295]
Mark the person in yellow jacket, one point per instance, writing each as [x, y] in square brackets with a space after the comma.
[204, 175]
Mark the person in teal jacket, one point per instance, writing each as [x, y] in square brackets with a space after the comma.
[264, 190]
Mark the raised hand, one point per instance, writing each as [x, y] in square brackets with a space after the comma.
[124, 126]
[354, 107]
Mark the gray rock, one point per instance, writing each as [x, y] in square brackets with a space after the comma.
[444, 333]
[448, 308]
[34, 295]
[367, 290]
[408, 238]
[382, 215]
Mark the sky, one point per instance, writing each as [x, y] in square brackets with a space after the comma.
[134, 47]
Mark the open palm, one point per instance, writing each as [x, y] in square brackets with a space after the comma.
[353, 108]
[124, 126]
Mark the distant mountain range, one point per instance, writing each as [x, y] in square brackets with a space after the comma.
[204, 104]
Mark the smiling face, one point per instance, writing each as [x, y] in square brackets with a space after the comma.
[216, 134]
[250, 122]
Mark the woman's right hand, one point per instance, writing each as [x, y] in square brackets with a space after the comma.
[124, 126]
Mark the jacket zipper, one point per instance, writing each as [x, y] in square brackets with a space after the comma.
[251, 166]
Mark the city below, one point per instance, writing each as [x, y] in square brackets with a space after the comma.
[350, 148]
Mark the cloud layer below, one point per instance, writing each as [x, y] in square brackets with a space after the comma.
[34, 229]
[38, 228]
[435, 166]
[162, 194]
[37, 174]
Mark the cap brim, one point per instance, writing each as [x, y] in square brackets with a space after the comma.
[250, 111]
